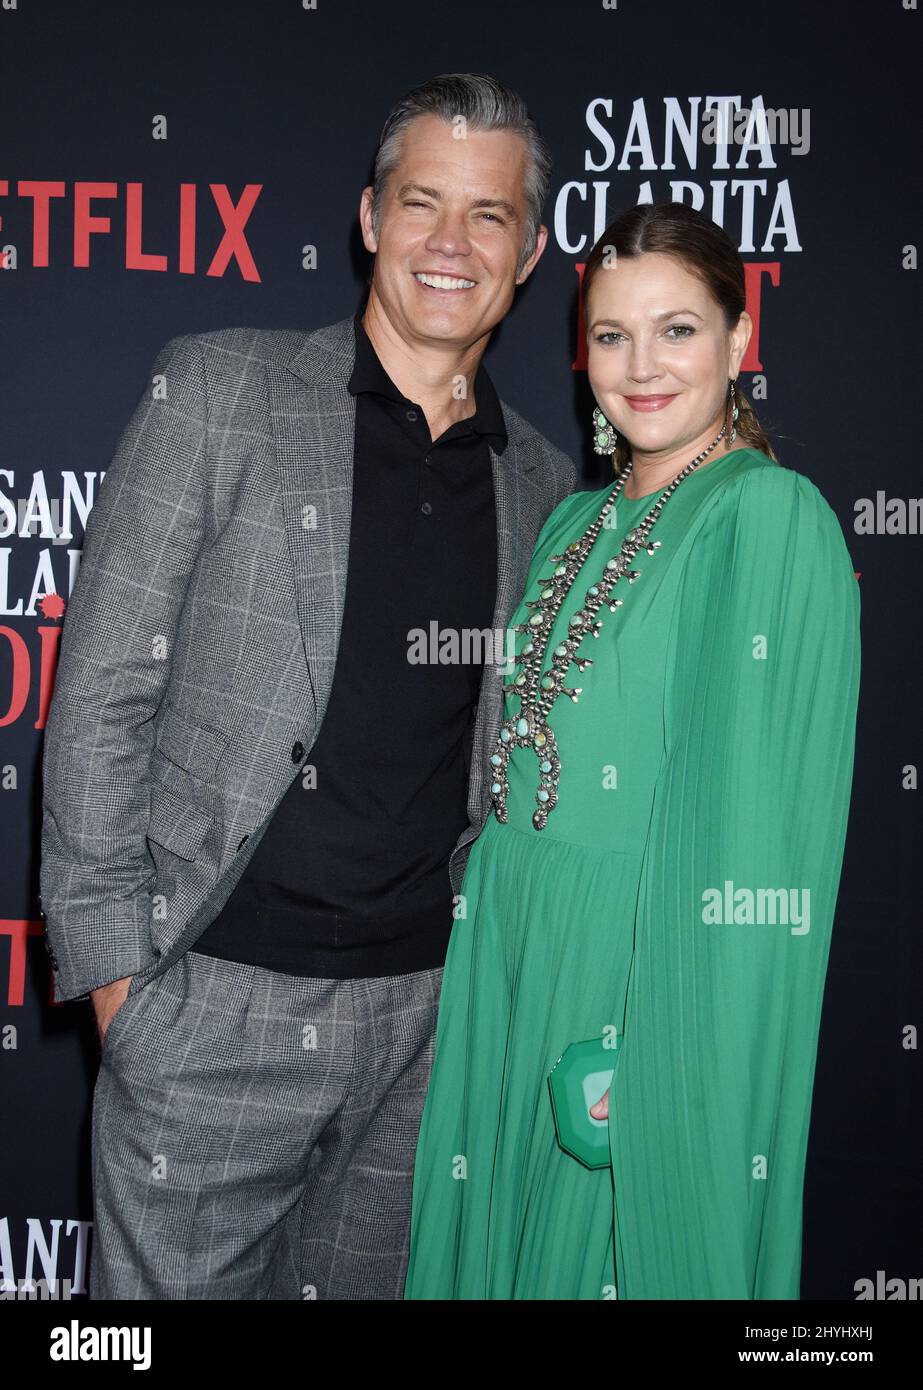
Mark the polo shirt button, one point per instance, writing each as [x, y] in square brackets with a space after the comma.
[411, 415]
[426, 508]
[297, 752]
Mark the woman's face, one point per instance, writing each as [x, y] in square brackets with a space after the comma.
[659, 353]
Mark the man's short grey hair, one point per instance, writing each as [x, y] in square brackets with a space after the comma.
[484, 104]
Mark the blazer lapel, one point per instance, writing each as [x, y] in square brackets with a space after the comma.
[313, 419]
[513, 556]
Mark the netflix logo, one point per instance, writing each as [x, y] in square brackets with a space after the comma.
[82, 211]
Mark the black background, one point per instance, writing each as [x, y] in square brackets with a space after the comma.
[294, 99]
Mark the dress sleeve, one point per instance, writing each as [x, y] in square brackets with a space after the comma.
[711, 1099]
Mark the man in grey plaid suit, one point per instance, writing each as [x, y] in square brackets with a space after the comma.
[249, 865]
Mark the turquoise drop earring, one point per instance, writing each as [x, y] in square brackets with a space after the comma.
[604, 436]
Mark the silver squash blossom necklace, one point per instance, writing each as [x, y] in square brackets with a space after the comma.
[539, 688]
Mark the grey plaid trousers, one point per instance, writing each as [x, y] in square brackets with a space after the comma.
[253, 1134]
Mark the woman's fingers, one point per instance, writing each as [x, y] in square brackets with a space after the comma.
[600, 1111]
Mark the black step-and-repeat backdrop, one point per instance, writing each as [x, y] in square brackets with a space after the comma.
[175, 168]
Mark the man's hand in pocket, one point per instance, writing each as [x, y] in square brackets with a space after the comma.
[107, 1000]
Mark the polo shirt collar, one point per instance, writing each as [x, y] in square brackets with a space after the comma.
[368, 374]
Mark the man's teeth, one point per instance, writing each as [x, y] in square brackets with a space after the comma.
[443, 282]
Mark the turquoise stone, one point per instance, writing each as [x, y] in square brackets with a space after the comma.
[593, 590]
[540, 740]
[520, 679]
[528, 649]
[522, 726]
[547, 683]
[505, 735]
[561, 650]
[576, 620]
[545, 765]
[535, 620]
[496, 759]
[548, 593]
[561, 569]
[496, 788]
[542, 795]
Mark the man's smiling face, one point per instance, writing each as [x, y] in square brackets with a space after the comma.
[453, 220]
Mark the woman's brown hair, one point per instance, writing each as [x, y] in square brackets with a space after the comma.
[705, 250]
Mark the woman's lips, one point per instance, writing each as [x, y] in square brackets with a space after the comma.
[647, 403]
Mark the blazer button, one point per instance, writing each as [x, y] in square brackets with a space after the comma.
[297, 752]
[242, 843]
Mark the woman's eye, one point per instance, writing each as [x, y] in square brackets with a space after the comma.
[684, 328]
[607, 337]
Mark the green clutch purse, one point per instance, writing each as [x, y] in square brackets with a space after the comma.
[578, 1079]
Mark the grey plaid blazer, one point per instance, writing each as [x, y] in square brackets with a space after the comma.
[199, 643]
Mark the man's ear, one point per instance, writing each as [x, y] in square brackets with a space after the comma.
[370, 241]
[541, 240]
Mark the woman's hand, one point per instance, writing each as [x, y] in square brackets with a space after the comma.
[600, 1111]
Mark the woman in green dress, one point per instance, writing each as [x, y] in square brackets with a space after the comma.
[662, 861]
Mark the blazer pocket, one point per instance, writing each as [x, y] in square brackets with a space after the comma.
[177, 825]
[195, 747]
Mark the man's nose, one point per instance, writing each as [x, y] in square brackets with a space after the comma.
[450, 236]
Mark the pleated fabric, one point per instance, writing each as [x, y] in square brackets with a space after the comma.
[682, 894]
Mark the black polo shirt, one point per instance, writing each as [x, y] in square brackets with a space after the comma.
[351, 876]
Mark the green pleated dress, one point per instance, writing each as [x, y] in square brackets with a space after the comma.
[709, 756]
